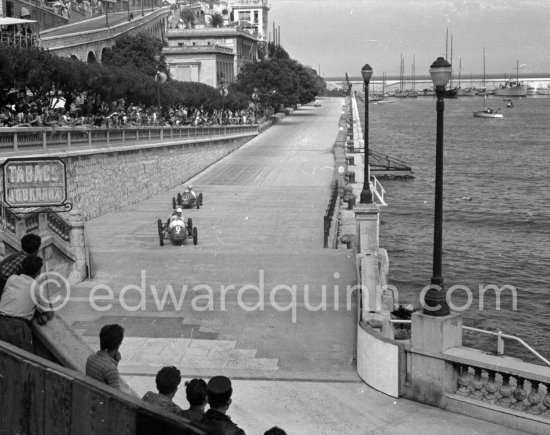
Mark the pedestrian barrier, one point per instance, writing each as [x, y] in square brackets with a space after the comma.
[31, 139]
[329, 214]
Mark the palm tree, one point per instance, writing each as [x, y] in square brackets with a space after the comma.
[217, 20]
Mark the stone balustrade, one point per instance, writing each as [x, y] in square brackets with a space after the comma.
[63, 247]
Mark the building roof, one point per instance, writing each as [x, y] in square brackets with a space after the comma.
[210, 33]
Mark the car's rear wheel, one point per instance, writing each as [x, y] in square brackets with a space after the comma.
[161, 234]
[195, 236]
[200, 199]
[179, 201]
[190, 226]
[173, 202]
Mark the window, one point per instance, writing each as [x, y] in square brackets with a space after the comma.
[244, 16]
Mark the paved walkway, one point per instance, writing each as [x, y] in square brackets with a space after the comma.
[222, 307]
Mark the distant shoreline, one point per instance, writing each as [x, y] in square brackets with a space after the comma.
[464, 77]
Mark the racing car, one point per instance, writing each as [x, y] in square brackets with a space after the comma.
[187, 200]
[177, 230]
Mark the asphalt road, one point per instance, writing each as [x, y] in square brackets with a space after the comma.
[261, 226]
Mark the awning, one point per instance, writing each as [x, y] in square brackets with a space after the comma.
[8, 21]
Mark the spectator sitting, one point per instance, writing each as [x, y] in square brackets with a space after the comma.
[219, 399]
[13, 264]
[21, 301]
[197, 396]
[167, 380]
[103, 365]
[275, 431]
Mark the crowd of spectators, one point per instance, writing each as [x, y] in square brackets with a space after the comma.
[21, 109]
[216, 393]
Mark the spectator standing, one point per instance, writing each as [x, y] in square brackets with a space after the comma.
[12, 264]
[197, 396]
[167, 380]
[103, 365]
[20, 303]
[219, 399]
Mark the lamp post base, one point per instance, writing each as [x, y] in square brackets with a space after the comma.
[366, 197]
[435, 301]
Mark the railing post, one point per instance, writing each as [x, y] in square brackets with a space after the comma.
[123, 136]
[90, 137]
[108, 136]
[15, 144]
[161, 133]
[78, 245]
[500, 344]
[44, 143]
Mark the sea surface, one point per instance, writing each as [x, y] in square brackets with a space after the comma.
[496, 228]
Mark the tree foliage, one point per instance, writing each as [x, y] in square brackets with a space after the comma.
[129, 74]
[217, 20]
[188, 17]
[278, 79]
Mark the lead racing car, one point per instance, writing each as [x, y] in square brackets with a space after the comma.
[177, 229]
[187, 199]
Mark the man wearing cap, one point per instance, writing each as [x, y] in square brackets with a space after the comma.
[219, 399]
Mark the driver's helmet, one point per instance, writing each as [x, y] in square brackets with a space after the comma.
[179, 211]
[189, 188]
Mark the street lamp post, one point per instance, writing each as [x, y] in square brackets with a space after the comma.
[435, 302]
[366, 194]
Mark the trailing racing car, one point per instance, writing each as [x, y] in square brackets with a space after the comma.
[177, 229]
[187, 199]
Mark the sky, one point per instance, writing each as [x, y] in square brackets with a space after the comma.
[340, 36]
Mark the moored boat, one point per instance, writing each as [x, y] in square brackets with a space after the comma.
[511, 89]
[487, 112]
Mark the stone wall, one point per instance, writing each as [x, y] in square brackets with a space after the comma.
[102, 181]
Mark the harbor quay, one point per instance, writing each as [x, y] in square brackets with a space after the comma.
[259, 228]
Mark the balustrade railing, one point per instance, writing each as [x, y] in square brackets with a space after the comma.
[34, 139]
[327, 221]
[59, 226]
[34, 223]
[504, 387]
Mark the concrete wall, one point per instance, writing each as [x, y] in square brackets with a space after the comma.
[101, 181]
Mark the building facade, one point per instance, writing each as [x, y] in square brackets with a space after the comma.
[212, 56]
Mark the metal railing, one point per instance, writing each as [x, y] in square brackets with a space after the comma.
[378, 190]
[34, 139]
[500, 342]
[327, 220]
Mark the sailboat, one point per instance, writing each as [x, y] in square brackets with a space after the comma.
[413, 93]
[451, 92]
[401, 93]
[486, 112]
[483, 90]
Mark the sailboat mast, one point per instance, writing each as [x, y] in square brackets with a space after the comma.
[414, 73]
[484, 68]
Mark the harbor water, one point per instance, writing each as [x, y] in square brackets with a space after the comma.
[496, 228]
